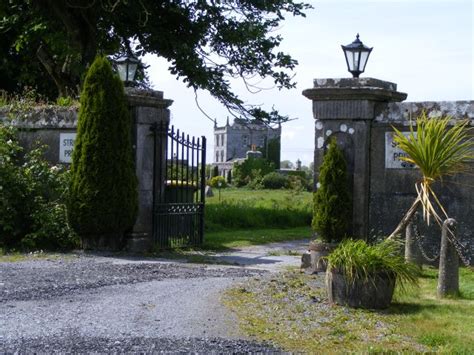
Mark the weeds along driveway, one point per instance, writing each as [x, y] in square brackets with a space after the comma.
[96, 304]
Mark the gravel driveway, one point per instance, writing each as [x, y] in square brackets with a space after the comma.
[97, 304]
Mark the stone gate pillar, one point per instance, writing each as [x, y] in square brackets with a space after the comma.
[148, 108]
[345, 108]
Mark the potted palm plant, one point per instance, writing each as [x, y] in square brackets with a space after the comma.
[361, 275]
[332, 206]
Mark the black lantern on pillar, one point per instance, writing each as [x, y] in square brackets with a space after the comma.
[127, 68]
[357, 55]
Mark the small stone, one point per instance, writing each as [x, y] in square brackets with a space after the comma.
[306, 260]
[209, 192]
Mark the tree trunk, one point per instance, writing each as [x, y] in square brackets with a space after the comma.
[405, 220]
[448, 278]
[61, 79]
[412, 251]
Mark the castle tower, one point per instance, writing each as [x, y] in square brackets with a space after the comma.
[233, 141]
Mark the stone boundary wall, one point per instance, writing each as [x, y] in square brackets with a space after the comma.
[392, 189]
[43, 125]
[53, 125]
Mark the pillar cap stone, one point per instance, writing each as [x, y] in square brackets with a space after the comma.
[146, 98]
[354, 89]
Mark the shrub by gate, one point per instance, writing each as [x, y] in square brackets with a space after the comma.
[179, 183]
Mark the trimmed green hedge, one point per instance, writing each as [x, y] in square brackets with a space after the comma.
[332, 200]
[104, 198]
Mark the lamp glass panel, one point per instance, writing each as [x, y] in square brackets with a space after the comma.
[132, 68]
[350, 60]
[363, 60]
[122, 71]
[356, 60]
[348, 57]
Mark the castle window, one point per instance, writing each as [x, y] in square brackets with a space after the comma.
[222, 155]
[217, 157]
[222, 139]
[245, 139]
[217, 140]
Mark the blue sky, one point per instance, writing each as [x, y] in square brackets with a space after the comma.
[426, 47]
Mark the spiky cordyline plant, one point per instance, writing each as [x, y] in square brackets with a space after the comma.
[438, 151]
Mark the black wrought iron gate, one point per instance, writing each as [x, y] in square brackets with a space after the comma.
[179, 187]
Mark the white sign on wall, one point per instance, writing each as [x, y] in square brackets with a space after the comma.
[66, 146]
[393, 153]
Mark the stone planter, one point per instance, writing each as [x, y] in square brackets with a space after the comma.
[376, 293]
[318, 250]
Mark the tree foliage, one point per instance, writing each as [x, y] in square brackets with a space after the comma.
[32, 198]
[103, 194]
[251, 170]
[332, 201]
[274, 151]
[206, 42]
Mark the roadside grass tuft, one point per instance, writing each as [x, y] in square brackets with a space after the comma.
[15, 256]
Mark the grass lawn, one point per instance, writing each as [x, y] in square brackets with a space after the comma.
[446, 325]
[245, 209]
[291, 310]
[261, 198]
[240, 238]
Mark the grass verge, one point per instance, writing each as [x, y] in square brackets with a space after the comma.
[241, 238]
[445, 325]
[11, 257]
[291, 311]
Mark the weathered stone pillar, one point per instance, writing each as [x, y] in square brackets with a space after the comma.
[148, 108]
[412, 250]
[448, 277]
[345, 108]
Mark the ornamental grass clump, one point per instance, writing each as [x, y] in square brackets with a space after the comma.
[357, 260]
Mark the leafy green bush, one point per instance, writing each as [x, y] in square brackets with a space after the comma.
[273, 152]
[299, 183]
[299, 173]
[214, 182]
[103, 198]
[332, 201]
[252, 171]
[275, 181]
[357, 260]
[32, 199]
[66, 101]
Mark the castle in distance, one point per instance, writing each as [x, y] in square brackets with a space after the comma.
[234, 142]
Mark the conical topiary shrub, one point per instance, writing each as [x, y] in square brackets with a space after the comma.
[103, 200]
[332, 200]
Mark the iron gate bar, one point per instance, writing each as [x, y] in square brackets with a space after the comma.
[203, 188]
[178, 194]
